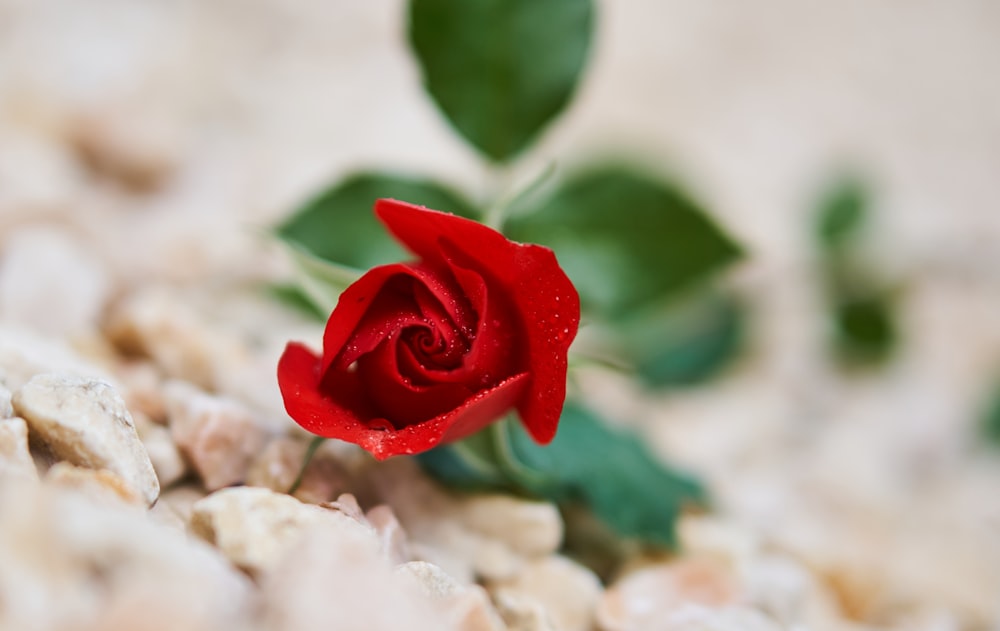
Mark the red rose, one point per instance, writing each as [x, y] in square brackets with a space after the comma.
[423, 353]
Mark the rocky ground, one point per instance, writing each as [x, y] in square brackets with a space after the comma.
[144, 453]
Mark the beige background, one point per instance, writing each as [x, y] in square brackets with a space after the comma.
[239, 109]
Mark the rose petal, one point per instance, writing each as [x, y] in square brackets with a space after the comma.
[544, 299]
[354, 303]
[298, 378]
[397, 397]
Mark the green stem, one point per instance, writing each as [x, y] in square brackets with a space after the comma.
[504, 199]
[310, 452]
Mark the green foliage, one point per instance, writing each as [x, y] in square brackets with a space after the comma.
[861, 306]
[609, 471]
[624, 239]
[500, 70]
[687, 341]
[294, 296]
[991, 419]
[842, 213]
[865, 328]
[339, 225]
[320, 281]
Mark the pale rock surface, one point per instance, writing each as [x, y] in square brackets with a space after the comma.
[138, 152]
[467, 607]
[255, 528]
[6, 409]
[98, 484]
[566, 590]
[391, 535]
[85, 422]
[167, 461]
[531, 529]
[788, 592]
[278, 465]
[644, 596]
[142, 389]
[693, 617]
[158, 323]
[181, 500]
[24, 354]
[218, 436]
[51, 283]
[454, 532]
[522, 614]
[336, 579]
[15, 459]
[72, 563]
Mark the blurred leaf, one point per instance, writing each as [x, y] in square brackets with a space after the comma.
[321, 282]
[624, 239]
[842, 212]
[688, 341]
[470, 464]
[609, 471]
[865, 328]
[339, 224]
[294, 297]
[991, 419]
[500, 70]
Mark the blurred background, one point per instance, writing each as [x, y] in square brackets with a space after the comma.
[144, 146]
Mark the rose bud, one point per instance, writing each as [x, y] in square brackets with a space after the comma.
[431, 351]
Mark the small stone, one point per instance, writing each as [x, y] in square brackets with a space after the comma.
[50, 283]
[466, 606]
[521, 613]
[6, 409]
[390, 532]
[333, 579]
[528, 528]
[84, 422]
[99, 484]
[70, 562]
[453, 532]
[431, 579]
[24, 354]
[217, 436]
[647, 594]
[255, 527]
[128, 149]
[181, 500]
[566, 591]
[142, 389]
[15, 459]
[695, 617]
[163, 453]
[280, 462]
[155, 322]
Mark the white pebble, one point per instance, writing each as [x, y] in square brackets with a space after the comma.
[84, 422]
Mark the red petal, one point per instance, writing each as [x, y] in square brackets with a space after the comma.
[538, 290]
[298, 378]
[354, 303]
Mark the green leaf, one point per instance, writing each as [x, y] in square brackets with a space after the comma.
[295, 297]
[611, 472]
[842, 213]
[500, 70]
[321, 282]
[991, 420]
[865, 328]
[686, 342]
[470, 464]
[339, 225]
[625, 240]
